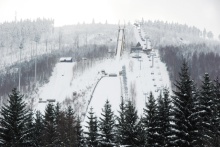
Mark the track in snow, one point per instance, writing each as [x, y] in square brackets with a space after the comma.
[108, 88]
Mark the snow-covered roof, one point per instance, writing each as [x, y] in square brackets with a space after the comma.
[66, 59]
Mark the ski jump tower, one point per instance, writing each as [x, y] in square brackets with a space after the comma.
[120, 42]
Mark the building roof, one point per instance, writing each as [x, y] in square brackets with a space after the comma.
[63, 59]
[138, 44]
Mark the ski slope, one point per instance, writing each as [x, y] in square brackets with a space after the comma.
[142, 76]
[119, 45]
[108, 88]
[140, 81]
[59, 85]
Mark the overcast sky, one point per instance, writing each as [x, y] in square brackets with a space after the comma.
[200, 13]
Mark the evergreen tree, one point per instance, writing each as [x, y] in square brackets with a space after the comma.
[206, 110]
[121, 124]
[216, 114]
[13, 121]
[38, 130]
[30, 130]
[141, 136]
[49, 133]
[163, 119]
[131, 121]
[59, 125]
[150, 121]
[70, 127]
[79, 134]
[92, 134]
[183, 128]
[106, 126]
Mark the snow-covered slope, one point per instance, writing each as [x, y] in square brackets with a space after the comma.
[141, 77]
[59, 85]
[108, 88]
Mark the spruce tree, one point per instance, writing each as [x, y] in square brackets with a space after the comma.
[206, 110]
[159, 120]
[106, 126]
[131, 121]
[30, 130]
[79, 134]
[13, 121]
[92, 134]
[183, 129]
[216, 114]
[49, 133]
[120, 125]
[141, 136]
[70, 126]
[38, 130]
[60, 124]
[163, 119]
[150, 121]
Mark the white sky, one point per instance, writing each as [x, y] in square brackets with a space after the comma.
[200, 13]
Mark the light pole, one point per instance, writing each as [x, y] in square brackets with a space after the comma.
[140, 63]
[19, 79]
[36, 39]
[152, 60]
[35, 68]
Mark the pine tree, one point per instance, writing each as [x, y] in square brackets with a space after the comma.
[92, 134]
[163, 119]
[79, 134]
[121, 124]
[70, 126]
[131, 121]
[49, 133]
[183, 129]
[106, 126]
[30, 129]
[150, 121]
[206, 110]
[38, 130]
[59, 125]
[13, 121]
[141, 136]
[216, 114]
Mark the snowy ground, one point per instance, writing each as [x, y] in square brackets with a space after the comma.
[59, 86]
[108, 88]
[141, 77]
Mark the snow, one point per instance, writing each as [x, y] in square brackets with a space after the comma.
[58, 86]
[64, 81]
[108, 88]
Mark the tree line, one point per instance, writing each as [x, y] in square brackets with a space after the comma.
[201, 60]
